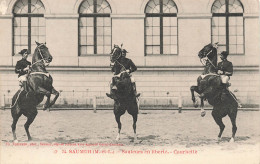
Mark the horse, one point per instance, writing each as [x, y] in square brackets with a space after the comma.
[125, 99]
[209, 87]
[39, 82]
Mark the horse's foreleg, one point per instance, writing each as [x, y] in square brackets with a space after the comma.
[218, 119]
[56, 93]
[15, 116]
[134, 125]
[119, 126]
[30, 119]
[232, 117]
[193, 89]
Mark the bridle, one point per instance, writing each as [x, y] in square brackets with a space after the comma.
[207, 59]
[42, 59]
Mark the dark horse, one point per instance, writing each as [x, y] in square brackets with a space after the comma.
[39, 84]
[209, 87]
[125, 99]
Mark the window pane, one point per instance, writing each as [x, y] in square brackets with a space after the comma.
[149, 30]
[214, 30]
[90, 31]
[156, 49]
[222, 48]
[215, 39]
[107, 21]
[83, 50]
[166, 21]
[174, 40]
[232, 30]
[17, 31]
[34, 31]
[24, 30]
[107, 30]
[41, 21]
[222, 30]
[173, 21]
[42, 39]
[240, 30]
[90, 40]
[221, 21]
[90, 50]
[83, 21]
[240, 21]
[35, 21]
[24, 21]
[100, 21]
[232, 40]
[156, 30]
[166, 31]
[107, 49]
[232, 49]
[149, 21]
[240, 49]
[173, 49]
[107, 40]
[156, 40]
[166, 40]
[156, 21]
[24, 40]
[222, 39]
[100, 31]
[83, 40]
[83, 31]
[232, 21]
[166, 49]
[240, 40]
[17, 49]
[90, 21]
[34, 38]
[100, 49]
[41, 30]
[17, 40]
[100, 40]
[149, 49]
[173, 30]
[149, 40]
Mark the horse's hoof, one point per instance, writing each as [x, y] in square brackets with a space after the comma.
[117, 138]
[15, 141]
[203, 113]
[231, 140]
[219, 139]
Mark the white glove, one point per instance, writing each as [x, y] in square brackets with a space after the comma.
[220, 72]
[128, 71]
[27, 68]
[112, 63]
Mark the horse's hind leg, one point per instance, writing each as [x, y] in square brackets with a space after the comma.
[30, 119]
[119, 126]
[218, 119]
[193, 89]
[233, 117]
[134, 125]
[15, 116]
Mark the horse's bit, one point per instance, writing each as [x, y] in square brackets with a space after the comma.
[43, 59]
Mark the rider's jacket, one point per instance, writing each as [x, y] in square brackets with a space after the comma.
[226, 66]
[122, 64]
[20, 65]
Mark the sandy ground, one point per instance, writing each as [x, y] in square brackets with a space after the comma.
[163, 137]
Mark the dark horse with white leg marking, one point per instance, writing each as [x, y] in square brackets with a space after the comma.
[125, 98]
[40, 84]
[209, 87]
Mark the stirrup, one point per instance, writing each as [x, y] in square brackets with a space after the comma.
[110, 95]
[138, 94]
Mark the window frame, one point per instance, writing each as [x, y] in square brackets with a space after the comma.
[93, 15]
[227, 15]
[161, 15]
[28, 15]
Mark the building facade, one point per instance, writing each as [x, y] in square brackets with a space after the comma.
[163, 38]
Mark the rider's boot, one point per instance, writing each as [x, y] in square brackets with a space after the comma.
[134, 89]
[24, 86]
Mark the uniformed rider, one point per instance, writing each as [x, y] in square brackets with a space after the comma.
[124, 64]
[22, 68]
[225, 69]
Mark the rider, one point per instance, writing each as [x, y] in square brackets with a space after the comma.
[22, 68]
[129, 66]
[225, 69]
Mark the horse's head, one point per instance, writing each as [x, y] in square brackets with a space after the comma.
[42, 53]
[208, 51]
[116, 53]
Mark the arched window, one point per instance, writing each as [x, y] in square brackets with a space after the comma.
[228, 25]
[94, 27]
[28, 24]
[161, 27]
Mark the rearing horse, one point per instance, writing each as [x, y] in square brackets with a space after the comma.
[209, 87]
[125, 98]
[39, 84]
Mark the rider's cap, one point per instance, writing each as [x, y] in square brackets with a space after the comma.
[224, 53]
[124, 51]
[23, 51]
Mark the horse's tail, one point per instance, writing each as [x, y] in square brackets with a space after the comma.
[16, 100]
